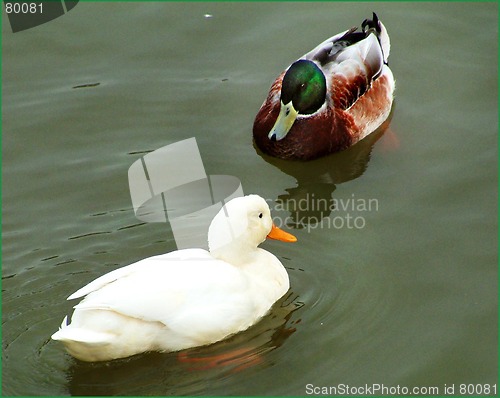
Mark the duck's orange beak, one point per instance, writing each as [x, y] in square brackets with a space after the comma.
[279, 234]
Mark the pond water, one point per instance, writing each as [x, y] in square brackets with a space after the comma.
[406, 294]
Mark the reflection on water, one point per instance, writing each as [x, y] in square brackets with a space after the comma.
[311, 200]
[412, 298]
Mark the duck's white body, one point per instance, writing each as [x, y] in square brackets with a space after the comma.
[185, 298]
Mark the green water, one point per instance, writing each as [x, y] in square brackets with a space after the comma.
[407, 298]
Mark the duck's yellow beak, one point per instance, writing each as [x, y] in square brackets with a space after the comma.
[284, 122]
[279, 234]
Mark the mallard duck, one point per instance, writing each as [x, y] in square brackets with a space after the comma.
[186, 298]
[329, 99]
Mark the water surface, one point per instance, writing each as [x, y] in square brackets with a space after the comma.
[409, 297]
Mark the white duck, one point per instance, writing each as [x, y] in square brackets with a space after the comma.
[185, 298]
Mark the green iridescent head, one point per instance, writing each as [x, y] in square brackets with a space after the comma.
[303, 91]
[305, 85]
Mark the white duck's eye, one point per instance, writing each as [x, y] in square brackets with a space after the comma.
[260, 215]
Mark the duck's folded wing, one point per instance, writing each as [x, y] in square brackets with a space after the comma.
[323, 52]
[124, 271]
[102, 281]
[328, 51]
[187, 295]
[366, 53]
[354, 70]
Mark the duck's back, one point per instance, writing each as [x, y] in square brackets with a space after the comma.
[167, 303]
[358, 98]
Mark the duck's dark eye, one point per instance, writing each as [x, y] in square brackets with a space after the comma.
[260, 215]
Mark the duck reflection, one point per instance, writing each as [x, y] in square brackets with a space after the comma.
[187, 372]
[311, 200]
